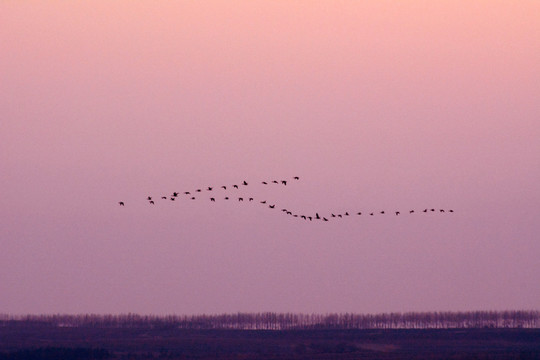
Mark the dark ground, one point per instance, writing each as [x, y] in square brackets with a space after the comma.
[42, 342]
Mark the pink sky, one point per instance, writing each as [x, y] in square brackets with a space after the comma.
[376, 105]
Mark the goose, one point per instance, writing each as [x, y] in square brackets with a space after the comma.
[295, 215]
[244, 183]
[149, 198]
[271, 206]
[175, 194]
[441, 210]
[317, 216]
[250, 199]
[151, 202]
[371, 214]
[275, 182]
[450, 210]
[263, 202]
[340, 216]
[284, 182]
[289, 213]
[425, 210]
[411, 211]
[296, 178]
[265, 183]
[310, 218]
[212, 199]
[240, 199]
[325, 219]
[199, 190]
[164, 197]
[209, 188]
[121, 203]
[333, 215]
[397, 212]
[193, 198]
[346, 213]
[303, 217]
[224, 187]
[235, 186]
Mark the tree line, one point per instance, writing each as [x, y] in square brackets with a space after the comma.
[287, 321]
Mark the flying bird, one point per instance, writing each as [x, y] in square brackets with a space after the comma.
[296, 178]
[212, 199]
[371, 214]
[325, 219]
[121, 203]
[193, 198]
[271, 206]
[441, 210]
[411, 211]
[164, 197]
[382, 212]
[284, 182]
[235, 186]
[263, 202]
[187, 193]
[250, 199]
[240, 199]
[151, 202]
[209, 188]
[224, 187]
[199, 190]
[275, 182]
[397, 212]
[265, 183]
[226, 198]
[175, 194]
[172, 199]
[425, 210]
[450, 210]
[317, 216]
[244, 183]
[346, 213]
[149, 198]
[359, 213]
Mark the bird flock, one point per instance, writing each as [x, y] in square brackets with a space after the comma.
[221, 193]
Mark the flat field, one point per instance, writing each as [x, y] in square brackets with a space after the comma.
[45, 342]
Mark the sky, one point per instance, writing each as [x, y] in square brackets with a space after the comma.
[374, 105]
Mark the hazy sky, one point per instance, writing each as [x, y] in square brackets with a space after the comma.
[375, 105]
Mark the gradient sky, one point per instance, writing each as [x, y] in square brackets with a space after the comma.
[376, 105]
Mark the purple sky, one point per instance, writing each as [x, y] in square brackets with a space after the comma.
[376, 105]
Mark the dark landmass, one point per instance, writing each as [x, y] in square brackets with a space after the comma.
[32, 338]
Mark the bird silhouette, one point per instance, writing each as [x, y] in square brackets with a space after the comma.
[212, 199]
[187, 193]
[209, 188]
[382, 212]
[371, 214]
[175, 194]
[250, 199]
[164, 197]
[244, 183]
[317, 216]
[263, 202]
[411, 211]
[284, 210]
[340, 216]
[425, 210]
[450, 210]
[289, 213]
[121, 203]
[172, 199]
[397, 212]
[265, 183]
[149, 198]
[432, 209]
[303, 217]
[240, 199]
[346, 213]
[441, 210]
[271, 206]
[325, 219]
[296, 178]
[295, 215]
[284, 182]
[275, 182]
[224, 187]
[151, 202]
[226, 198]
[333, 215]
[235, 186]
[193, 198]
[310, 218]
[199, 190]
[359, 213]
